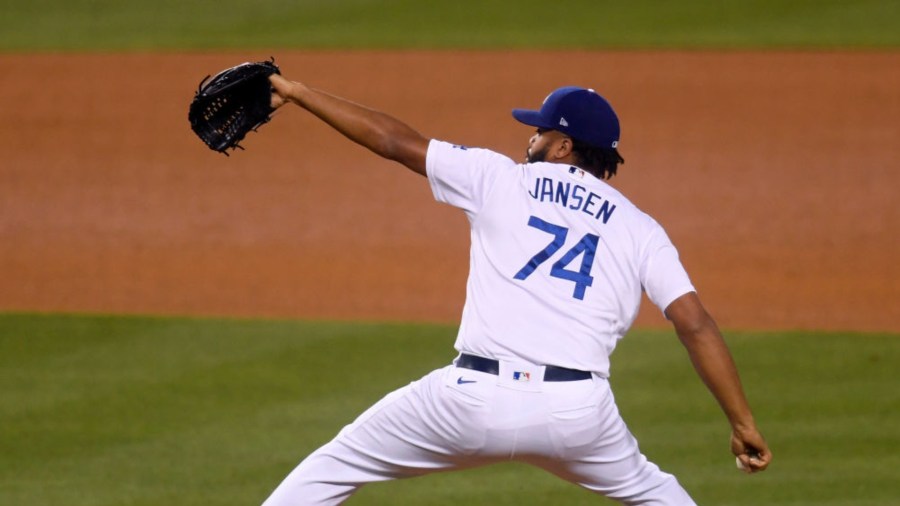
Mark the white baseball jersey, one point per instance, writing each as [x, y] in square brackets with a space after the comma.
[558, 258]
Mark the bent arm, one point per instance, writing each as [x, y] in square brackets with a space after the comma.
[713, 362]
[384, 135]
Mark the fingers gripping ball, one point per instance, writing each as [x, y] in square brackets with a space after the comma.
[753, 456]
[232, 103]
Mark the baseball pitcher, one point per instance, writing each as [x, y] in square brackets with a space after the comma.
[559, 260]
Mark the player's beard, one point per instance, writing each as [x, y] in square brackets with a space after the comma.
[537, 156]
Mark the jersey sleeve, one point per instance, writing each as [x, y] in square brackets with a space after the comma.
[462, 176]
[662, 275]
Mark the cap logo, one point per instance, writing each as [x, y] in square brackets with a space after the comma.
[615, 144]
[563, 122]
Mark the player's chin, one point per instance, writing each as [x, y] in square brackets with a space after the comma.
[535, 157]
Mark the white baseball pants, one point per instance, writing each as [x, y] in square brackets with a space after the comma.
[456, 418]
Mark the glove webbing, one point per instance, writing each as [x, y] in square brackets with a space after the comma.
[228, 126]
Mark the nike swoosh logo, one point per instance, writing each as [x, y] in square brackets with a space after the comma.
[461, 381]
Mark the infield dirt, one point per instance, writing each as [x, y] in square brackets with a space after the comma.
[776, 175]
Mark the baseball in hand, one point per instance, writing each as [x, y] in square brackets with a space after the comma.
[740, 465]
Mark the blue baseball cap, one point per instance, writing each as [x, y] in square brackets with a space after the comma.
[578, 112]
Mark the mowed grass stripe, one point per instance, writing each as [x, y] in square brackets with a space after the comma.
[91, 25]
[143, 411]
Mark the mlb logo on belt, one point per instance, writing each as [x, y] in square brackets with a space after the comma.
[522, 376]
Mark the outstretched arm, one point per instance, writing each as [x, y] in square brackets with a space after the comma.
[713, 362]
[385, 135]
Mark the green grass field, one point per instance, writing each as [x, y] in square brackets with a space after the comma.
[148, 411]
[78, 25]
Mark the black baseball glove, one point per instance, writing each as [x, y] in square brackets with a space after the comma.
[231, 103]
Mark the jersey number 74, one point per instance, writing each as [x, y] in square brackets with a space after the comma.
[586, 247]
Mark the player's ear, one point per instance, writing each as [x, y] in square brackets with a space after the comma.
[563, 147]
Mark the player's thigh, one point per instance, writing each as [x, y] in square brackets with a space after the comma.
[598, 452]
[431, 424]
[629, 478]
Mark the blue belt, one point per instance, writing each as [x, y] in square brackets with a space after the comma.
[490, 366]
